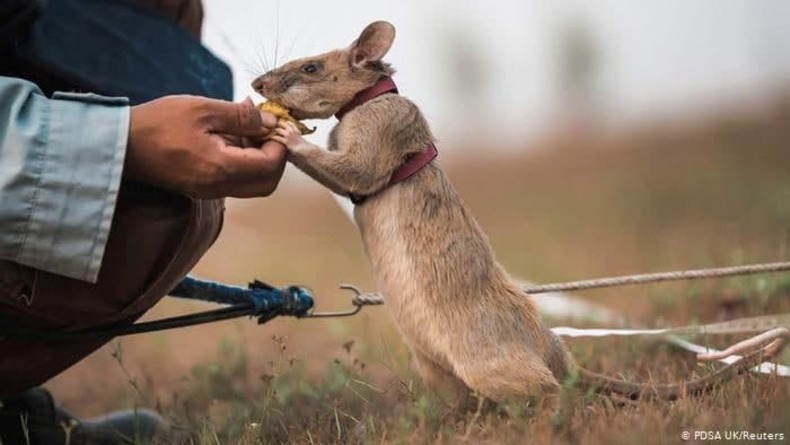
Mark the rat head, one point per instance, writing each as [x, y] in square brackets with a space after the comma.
[317, 87]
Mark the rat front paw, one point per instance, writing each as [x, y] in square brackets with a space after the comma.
[289, 135]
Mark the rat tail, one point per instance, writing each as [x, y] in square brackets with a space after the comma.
[636, 391]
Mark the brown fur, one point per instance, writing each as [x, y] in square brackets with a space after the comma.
[469, 326]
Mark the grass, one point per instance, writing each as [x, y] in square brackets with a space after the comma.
[710, 195]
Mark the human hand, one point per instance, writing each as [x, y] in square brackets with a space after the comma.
[183, 143]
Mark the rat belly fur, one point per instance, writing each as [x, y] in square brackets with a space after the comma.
[467, 323]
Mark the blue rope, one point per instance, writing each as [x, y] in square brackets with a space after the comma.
[267, 301]
[259, 300]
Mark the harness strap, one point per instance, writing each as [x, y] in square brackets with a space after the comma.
[413, 163]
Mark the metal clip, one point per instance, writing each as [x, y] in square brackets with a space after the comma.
[360, 299]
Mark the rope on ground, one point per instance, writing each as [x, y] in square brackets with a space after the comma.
[749, 269]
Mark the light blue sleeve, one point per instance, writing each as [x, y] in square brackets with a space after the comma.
[61, 161]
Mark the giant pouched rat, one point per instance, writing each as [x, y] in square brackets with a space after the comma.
[467, 323]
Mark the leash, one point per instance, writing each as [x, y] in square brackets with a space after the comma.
[258, 299]
[265, 302]
[695, 274]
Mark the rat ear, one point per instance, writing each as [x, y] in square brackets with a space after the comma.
[371, 46]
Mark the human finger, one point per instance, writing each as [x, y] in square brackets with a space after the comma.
[239, 119]
[252, 163]
[268, 119]
[255, 172]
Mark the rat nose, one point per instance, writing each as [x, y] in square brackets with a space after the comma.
[267, 83]
[272, 83]
[259, 83]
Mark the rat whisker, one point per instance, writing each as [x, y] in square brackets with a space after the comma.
[259, 50]
[277, 31]
[262, 60]
[260, 54]
[225, 39]
[306, 21]
[293, 43]
[251, 71]
[253, 65]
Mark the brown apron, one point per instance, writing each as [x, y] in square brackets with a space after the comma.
[156, 239]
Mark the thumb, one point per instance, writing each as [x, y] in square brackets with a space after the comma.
[237, 119]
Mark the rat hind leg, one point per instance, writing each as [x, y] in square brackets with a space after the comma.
[519, 375]
[446, 384]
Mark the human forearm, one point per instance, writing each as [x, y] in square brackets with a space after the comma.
[61, 161]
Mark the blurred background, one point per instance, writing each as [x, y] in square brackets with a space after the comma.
[589, 139]
[526, 69]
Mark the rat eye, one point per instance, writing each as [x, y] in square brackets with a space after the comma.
[311, 67]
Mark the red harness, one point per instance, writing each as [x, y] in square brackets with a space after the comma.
[413, 163]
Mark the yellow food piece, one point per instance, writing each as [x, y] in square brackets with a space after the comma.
[282, 113]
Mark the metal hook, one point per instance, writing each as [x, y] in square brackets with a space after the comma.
[360, 299]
